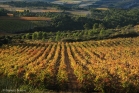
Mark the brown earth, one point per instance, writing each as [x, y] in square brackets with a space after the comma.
[72, 85]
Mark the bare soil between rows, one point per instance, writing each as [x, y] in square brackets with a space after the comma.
[72, 85]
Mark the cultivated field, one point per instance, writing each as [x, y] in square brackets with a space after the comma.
[107, 65]
[34, 9]
[79, 12]
[11, 25]
[49, 9]
[26, 18]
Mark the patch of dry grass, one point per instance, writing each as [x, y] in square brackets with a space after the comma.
[102, 8]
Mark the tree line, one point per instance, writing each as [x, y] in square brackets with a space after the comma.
[113, 18]
[3, 12]
[108, 19]
[5, 40]
[96, 33]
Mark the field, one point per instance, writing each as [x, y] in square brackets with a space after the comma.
[26, 18]
[31, 9]
[79, 12]
[104, 66]
[49, 9]
[102, 8]
[13, 25]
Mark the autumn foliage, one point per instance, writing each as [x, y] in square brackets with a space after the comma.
[106, 65]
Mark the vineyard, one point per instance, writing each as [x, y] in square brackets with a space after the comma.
[110, 66]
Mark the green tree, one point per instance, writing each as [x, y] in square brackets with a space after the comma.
[86, 26]
[3, 12]
[23, 37]
[57, 38]
[102, 34]
[34, 35]
[28, 36]
[101, 26]
[90, 33]
[50, 40]
[44, 35]
[39, 35]
[95, 26]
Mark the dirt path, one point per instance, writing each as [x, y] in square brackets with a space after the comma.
[72, 85]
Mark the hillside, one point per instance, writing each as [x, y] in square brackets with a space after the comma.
[85, 67]
[69, 46]
[93, 3]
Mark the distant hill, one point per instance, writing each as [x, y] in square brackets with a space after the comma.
[94, 3]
